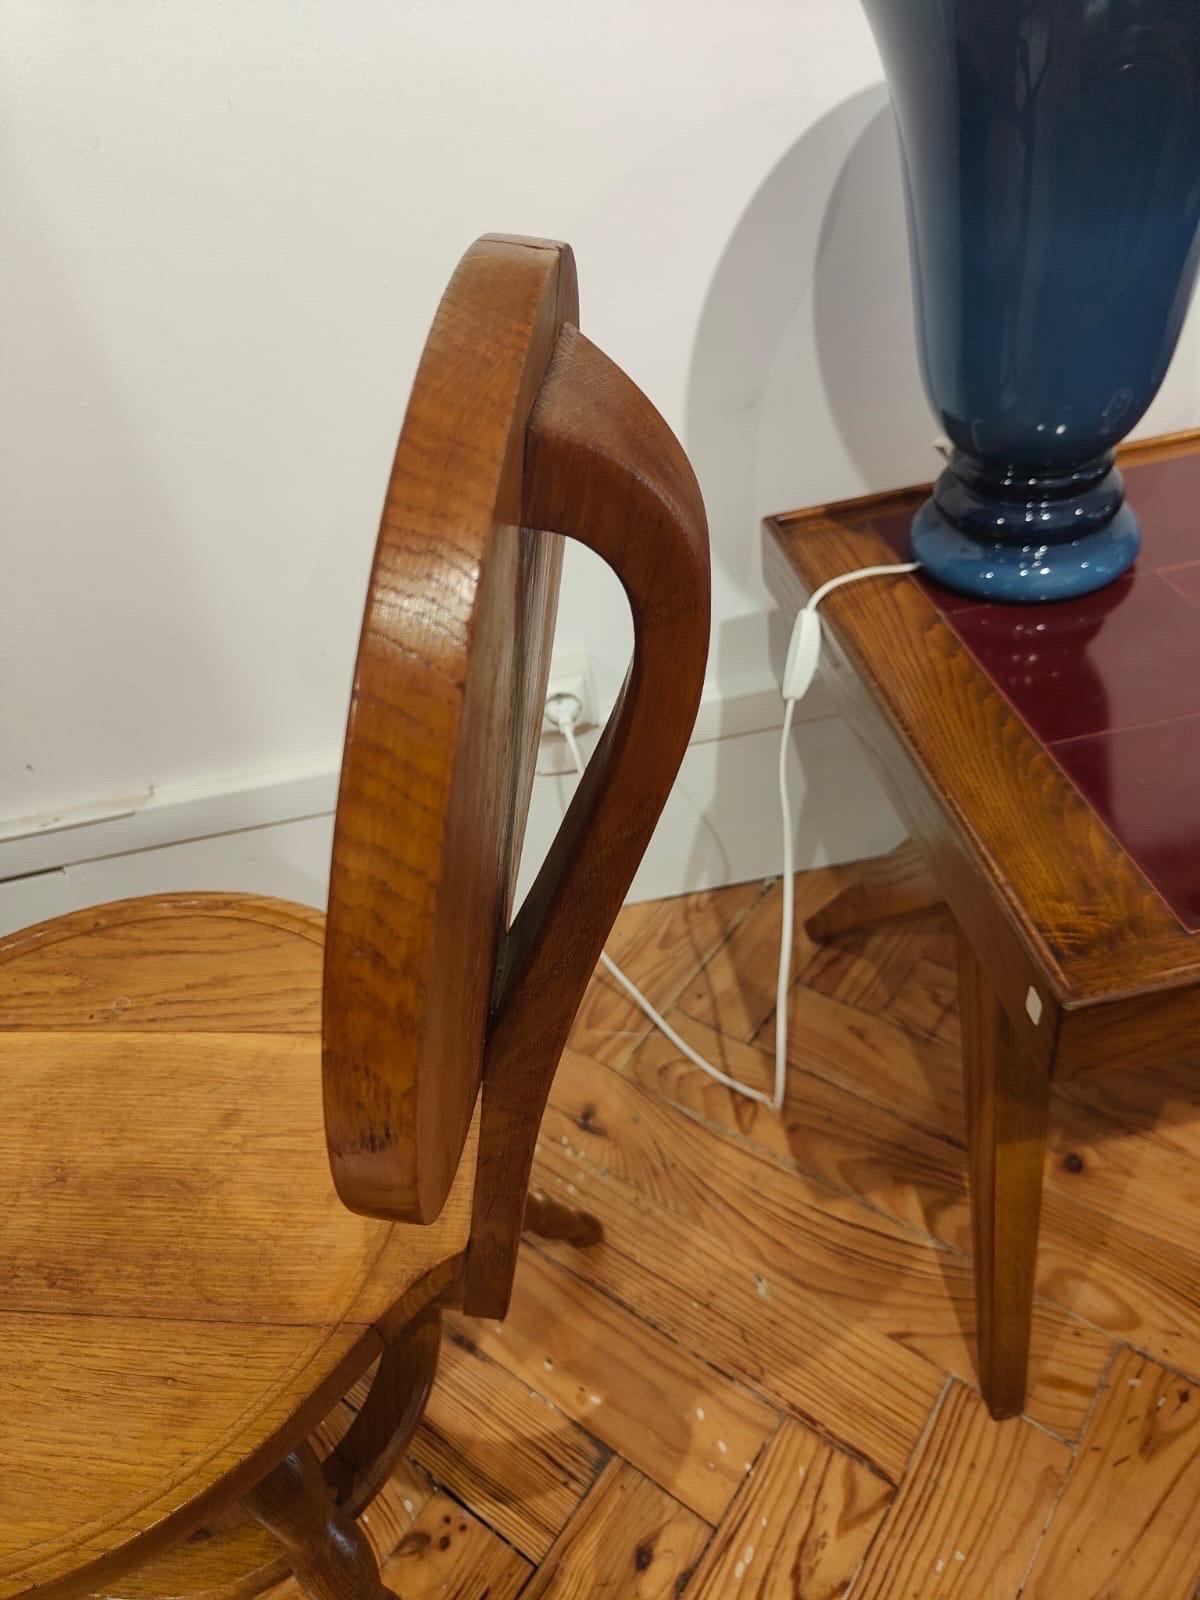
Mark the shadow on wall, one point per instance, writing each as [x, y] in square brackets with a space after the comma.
[804, 387]
[803, 383]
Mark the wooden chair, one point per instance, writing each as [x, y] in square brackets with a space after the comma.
[185, 1297]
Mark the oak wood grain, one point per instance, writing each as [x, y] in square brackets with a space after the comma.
[169, 964]
[451, 670]
[232, 1557]
[143, 1318]
[602, 468]
[125, 1212]
[106, 1459]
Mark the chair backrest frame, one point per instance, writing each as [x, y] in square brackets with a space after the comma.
[518, 431]
[440, 741]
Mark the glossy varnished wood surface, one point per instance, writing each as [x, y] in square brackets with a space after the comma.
[603, 468]
[442, 734]
[1007, 1095]
[776, 1339]
[1035, 878]
[183, 1292]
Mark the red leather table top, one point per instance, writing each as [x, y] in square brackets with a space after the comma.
[1110, 684]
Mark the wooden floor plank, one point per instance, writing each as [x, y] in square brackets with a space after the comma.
[684, 934]
[1125, 1171]
[656, 1404]
[391, 1515]
[970, 1512]
[1162, 1103]
[429, 1547]
[789, 1342]
[628, 1541]
[504, 1450]
[927, 1000]
[870, 967]
[1140, 1283]
[862, 1270]
[1128, 1524]
[448, 1554]
[1137, 1288]
[824, 1130]
[735, 992]
[800, 1526]
[920, 1079]
[608, 1026]
[631, 924]
[660, 947]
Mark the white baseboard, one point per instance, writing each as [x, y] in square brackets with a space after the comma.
[164, 817]
[271, 833]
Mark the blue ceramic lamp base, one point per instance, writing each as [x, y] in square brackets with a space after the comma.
[1026, 534]
[1049, 150]
[996, 569]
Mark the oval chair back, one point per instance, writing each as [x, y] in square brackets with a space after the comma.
[519, 433]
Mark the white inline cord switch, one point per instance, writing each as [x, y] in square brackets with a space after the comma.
[800, 668]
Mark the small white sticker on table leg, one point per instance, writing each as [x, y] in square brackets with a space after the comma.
[1033, 1005]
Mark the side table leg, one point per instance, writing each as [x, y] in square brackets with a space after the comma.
[1007, 1097]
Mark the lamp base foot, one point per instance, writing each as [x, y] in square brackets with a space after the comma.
[1026, 571]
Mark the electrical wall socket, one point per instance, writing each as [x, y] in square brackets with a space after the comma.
[570, 674]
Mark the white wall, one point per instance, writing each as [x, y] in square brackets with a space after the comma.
[225, 227]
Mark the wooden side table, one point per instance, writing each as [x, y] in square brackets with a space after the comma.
[1046, 761]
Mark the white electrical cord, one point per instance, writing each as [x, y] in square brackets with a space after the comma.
[804, 651]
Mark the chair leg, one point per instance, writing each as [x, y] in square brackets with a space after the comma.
[328, 1552]
[888, 886]
[362, 1462]
[550, 1219]
[1007, 1096]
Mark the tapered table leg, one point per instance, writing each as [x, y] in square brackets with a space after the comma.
[1007, 1097]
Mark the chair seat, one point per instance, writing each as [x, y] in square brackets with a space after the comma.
[182, 1294]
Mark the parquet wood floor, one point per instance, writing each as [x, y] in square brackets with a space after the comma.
[762, 1385]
